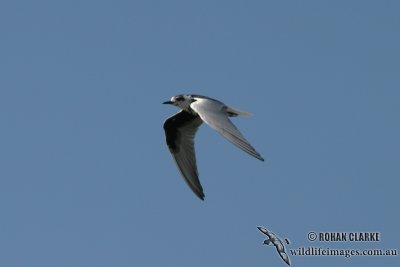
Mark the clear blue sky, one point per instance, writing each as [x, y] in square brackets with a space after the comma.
[87, 180]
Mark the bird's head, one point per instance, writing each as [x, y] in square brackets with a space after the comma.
[181, 101]
[267, 242]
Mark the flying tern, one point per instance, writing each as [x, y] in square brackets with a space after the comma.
[180, 130]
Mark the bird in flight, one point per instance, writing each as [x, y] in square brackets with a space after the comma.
[273, 240]
[180, 130]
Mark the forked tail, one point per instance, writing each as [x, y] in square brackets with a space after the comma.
[235, 112]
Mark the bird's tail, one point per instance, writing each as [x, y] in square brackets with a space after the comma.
[235, 112]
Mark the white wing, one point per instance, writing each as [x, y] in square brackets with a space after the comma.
[285, 257]
[215, 114]
[263, 230]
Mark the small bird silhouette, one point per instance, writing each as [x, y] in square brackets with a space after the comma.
[275, 241]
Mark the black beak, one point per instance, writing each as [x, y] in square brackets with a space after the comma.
[168, 102]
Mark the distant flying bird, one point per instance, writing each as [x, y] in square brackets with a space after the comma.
[275, 241]
[181, 128]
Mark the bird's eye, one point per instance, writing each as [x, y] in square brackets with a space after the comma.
[179, 98]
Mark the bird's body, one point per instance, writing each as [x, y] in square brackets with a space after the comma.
[180, 130]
